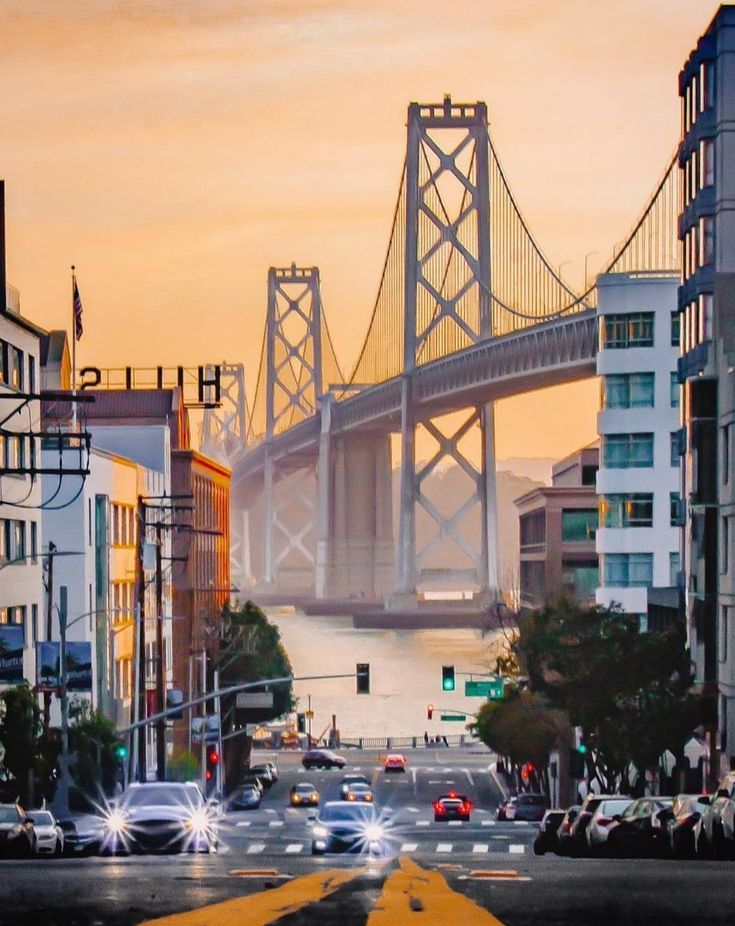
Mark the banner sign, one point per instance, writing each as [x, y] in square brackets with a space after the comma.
[78, 666]
[12, 640]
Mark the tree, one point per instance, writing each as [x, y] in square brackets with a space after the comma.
[628, 690]
[92, 742]
[250, 649]
[20, 734]
[519, 726]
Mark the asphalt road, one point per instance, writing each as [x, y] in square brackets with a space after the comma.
[478, 872]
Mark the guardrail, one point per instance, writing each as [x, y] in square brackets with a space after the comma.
[407, 742]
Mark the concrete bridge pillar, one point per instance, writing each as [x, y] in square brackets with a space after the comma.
[489, 579]
[354, 516]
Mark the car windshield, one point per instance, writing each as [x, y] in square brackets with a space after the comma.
[362, 813]
[162, 796]
[359, 786]
[536, 800]
[42, 818]
[612, 807]
[305, 786]
[9, 815]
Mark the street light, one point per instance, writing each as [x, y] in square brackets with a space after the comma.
[589, 254]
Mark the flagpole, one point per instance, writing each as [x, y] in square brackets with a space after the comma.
[73, 353]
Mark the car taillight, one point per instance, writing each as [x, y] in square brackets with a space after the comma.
[566, 826]
[439, 807]
[604, 821]
[689, 821]
[466, 807]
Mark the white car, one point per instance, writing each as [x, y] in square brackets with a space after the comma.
[602, 819]
[49, 835]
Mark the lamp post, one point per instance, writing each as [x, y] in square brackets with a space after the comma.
[586, 256]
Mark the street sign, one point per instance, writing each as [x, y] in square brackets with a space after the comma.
[491, 688]
[261, 699]
[452, 717]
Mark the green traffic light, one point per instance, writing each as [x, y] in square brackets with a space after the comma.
[121, 751]
[447, 678]
[582, 749]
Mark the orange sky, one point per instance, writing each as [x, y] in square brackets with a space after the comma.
[174, 149]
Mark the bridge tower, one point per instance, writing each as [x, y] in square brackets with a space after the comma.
[448, 306]
[293, 387]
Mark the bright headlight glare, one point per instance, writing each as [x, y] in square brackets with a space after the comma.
[374, 832]
[320, 831]
[116, 822]
[198, 821]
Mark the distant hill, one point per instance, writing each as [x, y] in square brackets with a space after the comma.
[536, 468]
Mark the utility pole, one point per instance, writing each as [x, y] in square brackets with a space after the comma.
[142, 769]
[49, 628]
[63, 614]
[160, 678]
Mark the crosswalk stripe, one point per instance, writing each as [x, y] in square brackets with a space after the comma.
[455, 822]
[479, 848]
[423, 822]
[409, 847]
[244, 822]
[516, 850]
[255, 848]
[444, 847]
[276, 823]
[293, 848]
[487, 822]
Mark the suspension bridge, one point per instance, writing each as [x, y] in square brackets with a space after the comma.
[468, 311]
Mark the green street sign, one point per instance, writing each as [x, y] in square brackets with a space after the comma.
[492, 689]
[452, 717]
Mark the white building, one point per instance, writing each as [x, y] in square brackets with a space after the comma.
[638, 478]
[21, 571]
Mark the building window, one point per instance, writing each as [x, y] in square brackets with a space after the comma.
[707, 163]
[14, 367]
[579, 524]
[625, 451]
[674, 569]
[674, 448]
[725, 615]
[31, 373]
[725, 454]
[533, 528]
[12, 541]
[706, 240]
[724, 545]
[580, 579]
[705, 317]
[674, 391]
[675, 329]
[628, 390]
[628, 570]
[34, 541]
[34, 623]
[707, 85]
[634, 329]
[674, 506]
[634, 510]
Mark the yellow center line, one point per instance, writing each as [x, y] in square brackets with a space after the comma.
[264, 907]
[413, 889]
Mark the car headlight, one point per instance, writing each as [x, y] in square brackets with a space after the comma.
[199, 821]
[368, 797]
[374, 832]
[295, 798]
[320, 831]
[350, 797]
[116, 822]
[315, 796]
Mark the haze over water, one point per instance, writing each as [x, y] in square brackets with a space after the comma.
[405, 674]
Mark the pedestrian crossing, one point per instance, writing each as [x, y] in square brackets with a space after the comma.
[405, 848]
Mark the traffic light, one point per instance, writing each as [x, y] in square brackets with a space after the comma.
[301, 723]
[429, 711]
[448, 683]
[576, 762]
[528, 769]
[120, 751]
[212, 763]
[362, 681]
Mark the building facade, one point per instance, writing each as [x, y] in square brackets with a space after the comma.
[557, 533]
[638, 480]
[707, 307]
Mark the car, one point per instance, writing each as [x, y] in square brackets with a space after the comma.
[547, 840]
[638, 831]
[680, 826]
[527, 806]
[322, 758]
[253, 780]
[350, 780]
[245, 797]
[17, 836]
[358, 791]
[274, 770]
[715, 830]
[452, 806]
[578, 834]
[49, 835]
[394, 762]
[507, 809]
[264, 773]
[83, 833]
[304, 794]
[602, 819]
[162, 816]
[349, 827]
[564, 833]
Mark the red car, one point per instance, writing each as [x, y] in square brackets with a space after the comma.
[394, 762]
[452, 806]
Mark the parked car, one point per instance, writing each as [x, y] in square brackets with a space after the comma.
[548, 828]
[249, 779]
[83, 833]
[49, 835]
[245, 797]
[638, 831]
[578, 834]
[679, 827]
[162, 816]
[274, 770]
[714, 837]
[394, 762]
[564, 833]
[322, 758]
[17, 836]
[304, 794]
[358, 791]
[506, 809]
[345, 827]
[527, 807]
[602, 819]
[452, 806]
[349, 780]
[264, 773]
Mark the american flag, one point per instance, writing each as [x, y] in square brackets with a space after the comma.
[78, 326]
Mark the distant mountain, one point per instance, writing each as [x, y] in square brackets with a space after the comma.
[536, 468]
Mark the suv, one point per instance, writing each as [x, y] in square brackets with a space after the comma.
[322, 758]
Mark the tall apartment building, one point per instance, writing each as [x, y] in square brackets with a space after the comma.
[557, 533]
[707, 365]
[638, 424]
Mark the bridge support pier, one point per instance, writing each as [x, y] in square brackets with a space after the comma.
[489, 579]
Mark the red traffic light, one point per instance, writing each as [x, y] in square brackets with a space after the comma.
[208, 775]
[213, 757]
[528, 769]
[429, 711]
